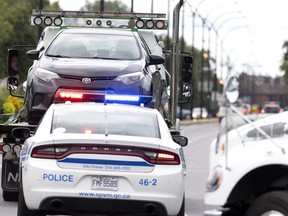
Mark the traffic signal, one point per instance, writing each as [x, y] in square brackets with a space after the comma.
[215, 82]
[205, 55]
[221, 85]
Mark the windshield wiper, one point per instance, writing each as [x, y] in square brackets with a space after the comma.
[57, 56]
[97, 57]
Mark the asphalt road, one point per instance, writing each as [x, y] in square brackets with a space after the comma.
[196, 154]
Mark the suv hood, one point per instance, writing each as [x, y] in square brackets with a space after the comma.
[90, 67]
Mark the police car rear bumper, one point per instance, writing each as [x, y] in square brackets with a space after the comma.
[72, 205]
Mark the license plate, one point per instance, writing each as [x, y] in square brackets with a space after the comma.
[104, 183]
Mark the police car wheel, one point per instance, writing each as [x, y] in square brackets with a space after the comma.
[10, 196]
[271, 203]
[22, 208]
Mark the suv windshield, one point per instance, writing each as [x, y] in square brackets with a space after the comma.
[87, 45]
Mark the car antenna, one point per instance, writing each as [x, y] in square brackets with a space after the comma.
[105, 102]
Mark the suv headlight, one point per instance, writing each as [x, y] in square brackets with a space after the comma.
[45, 75]
[131, 78]
[214, 179]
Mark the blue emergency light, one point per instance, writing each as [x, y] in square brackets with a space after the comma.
[127, 99]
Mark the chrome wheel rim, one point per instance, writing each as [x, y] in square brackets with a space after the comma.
[272, 213]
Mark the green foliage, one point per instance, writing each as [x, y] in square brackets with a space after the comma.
[108, 6]
[8, 108]
[15, 29]
[284, 65]
[3, 96]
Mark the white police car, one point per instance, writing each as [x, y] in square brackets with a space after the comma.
[95, 158]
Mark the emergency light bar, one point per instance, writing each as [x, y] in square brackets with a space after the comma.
[128, 99]
[73, 95]
[98, 19]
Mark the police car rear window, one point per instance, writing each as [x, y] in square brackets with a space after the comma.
[112, 123]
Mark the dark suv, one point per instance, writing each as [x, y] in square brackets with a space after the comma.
[88, 61]
[271, 107]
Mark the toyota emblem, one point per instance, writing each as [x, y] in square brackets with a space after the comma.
[86, 80]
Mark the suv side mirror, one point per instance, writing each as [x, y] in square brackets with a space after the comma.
[33, 54]
[13, 69]
[155, 60]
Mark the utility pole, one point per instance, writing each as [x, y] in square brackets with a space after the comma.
[101, 5]
[40, 28]
[132, 6]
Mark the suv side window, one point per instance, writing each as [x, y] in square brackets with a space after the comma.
[145, 46]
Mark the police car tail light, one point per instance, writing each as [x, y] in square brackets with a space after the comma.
[162, 157]
[152, 156]
[49, 151]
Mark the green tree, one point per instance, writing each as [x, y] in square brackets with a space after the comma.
[108, 6]
[284, 64]
[16, 29]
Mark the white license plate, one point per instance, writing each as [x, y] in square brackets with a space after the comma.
[104, 183]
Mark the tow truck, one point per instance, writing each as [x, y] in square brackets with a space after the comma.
[248, 165]
[168, 77]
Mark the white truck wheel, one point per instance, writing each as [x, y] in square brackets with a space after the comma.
[273, 203]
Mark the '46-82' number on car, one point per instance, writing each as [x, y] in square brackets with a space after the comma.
[148, 182]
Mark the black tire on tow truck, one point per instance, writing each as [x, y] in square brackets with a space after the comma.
[10, 196]
[271, 202]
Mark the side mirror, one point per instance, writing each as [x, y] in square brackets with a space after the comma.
[185, 77]
[155, 60]
[181, 140]
[232, 89]
[13, 62]
[21, 133]
[33, 54]
[186, 65]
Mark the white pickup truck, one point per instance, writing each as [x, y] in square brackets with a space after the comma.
[249, 169]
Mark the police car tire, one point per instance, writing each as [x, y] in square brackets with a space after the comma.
[275, 200]
[10, 196]
[22, 208]
[182, 209]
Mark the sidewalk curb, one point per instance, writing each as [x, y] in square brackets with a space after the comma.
[199, 121]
